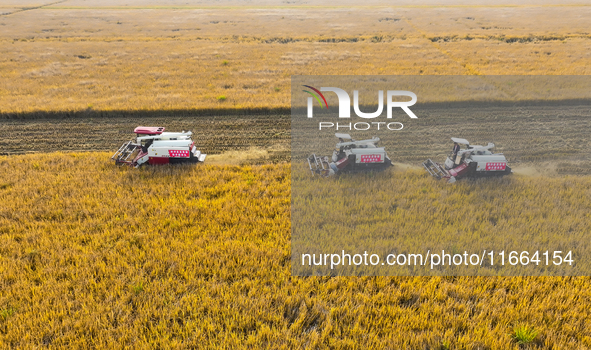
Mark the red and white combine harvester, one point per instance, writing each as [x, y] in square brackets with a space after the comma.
[154, 146]
[351, 156]
[474, 161]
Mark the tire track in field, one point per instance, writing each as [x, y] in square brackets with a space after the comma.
[23, 9]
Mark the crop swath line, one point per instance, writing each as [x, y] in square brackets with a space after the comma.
[23, 9]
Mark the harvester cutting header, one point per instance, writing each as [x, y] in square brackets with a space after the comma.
[351, 156]
[474, 161]
[154, 146]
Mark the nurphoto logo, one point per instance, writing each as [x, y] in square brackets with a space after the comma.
[345, 107]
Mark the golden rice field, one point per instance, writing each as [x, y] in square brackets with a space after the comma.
[404, 211]
[191, 257]
[95, 256]
[75, 55]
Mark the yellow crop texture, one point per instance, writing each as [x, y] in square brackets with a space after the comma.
[93, 255]
[403, 212]
[104, 57]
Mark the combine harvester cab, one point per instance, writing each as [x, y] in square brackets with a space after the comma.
[351, 156]
[474, 162]
[154, 146]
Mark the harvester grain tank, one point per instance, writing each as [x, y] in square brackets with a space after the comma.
[155, 146]
[351, 156]
[472, 161]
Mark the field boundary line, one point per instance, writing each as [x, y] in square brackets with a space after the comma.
[250, 112]
[250, 39]
[23, 9]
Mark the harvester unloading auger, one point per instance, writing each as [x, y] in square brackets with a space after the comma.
[154, 146]
[474, 161]
[351, 156]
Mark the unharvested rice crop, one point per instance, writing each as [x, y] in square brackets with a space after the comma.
[92, 255]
